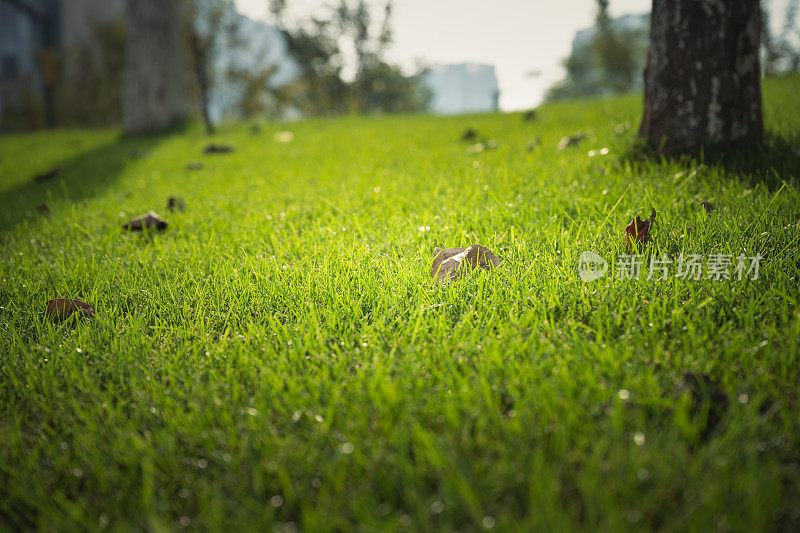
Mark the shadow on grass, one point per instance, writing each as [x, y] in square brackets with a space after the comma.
[776, 160]
[79, 177]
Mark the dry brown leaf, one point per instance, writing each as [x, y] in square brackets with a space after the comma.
[571, 140]
[451, 263]
[709, 207]
[638, 230]
[61, 309]
[529, 115]
[43, 209]
[218, 149]
[151, 219]
[173, 203]
[47, 175]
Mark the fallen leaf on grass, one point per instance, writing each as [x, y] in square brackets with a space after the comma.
[622, 128]
[218, 149]
[709, 207]
[173, 203]
[43, 209]
[638, 230]
[451, 263]
[490, 144]
[283, 137]
[47, 175]
[61, 309]
[571, 140]
[194, 165]
[148, 220]
[601, 151]
[529, 115]
[469, 135]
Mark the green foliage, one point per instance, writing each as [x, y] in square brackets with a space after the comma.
[279, 358]
[611, 63]
[781, 53]
[316, 47]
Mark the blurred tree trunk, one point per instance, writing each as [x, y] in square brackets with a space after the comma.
[200, 59]
[155, 92]
[702, 81]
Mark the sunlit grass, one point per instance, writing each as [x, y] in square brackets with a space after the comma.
[279, 356]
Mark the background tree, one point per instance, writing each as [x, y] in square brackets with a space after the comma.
[781, 53]
[213, 25]
[155, 91]
[318, 47]
[617, 57]
[702, 80]
[611, 61]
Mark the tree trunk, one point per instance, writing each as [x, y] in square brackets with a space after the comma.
[155, 92]
[200, 58]
[702, 81]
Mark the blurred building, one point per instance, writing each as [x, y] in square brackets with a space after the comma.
[22, 37]
[41, 40]
[463, 88]
[75, 50]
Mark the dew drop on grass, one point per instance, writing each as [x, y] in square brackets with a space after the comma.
[743, 398]
[488, 522]
[638, 438]
[624, 394]
[202, 464]
[185, 521]
[347, 448]
[437, 507]
[276, 501]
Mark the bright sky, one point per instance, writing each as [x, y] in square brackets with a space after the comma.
[518, 37]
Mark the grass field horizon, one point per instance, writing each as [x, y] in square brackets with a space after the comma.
[280, 357]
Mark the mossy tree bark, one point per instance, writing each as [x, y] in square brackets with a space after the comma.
[702, 80]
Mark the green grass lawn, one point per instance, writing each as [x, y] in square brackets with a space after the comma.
[279, 357]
